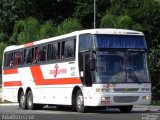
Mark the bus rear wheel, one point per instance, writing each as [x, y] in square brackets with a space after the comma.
[126, 109]
[30, 104]
[22, 101]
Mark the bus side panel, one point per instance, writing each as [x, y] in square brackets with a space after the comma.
[11, 84]
[54, 83]
[56, 94]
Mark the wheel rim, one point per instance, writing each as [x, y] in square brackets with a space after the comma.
[22, 101]
[30, 102]
[79, 102]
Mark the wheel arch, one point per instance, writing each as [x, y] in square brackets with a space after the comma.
[27, 90]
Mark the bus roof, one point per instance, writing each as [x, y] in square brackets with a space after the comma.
[75, 33]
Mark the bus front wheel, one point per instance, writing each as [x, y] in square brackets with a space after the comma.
[80, 102]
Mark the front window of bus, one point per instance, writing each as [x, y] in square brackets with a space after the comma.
[121, 66]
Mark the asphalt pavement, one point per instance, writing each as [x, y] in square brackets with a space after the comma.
[51, 113]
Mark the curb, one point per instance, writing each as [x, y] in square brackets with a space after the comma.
[8, 104]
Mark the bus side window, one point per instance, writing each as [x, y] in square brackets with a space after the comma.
[17, 58]
[8, 59]
[11, 60]
[36, 55]
[70, 48]
[52, 51]
[42, 53]
[29, 55]
[62, 49]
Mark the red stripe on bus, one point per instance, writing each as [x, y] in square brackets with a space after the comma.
[39, 79]
[10, 71]
[29, 44]
[12, 83]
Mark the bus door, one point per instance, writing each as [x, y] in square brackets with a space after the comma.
[85, 71]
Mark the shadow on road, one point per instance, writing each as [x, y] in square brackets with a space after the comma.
[105, 111]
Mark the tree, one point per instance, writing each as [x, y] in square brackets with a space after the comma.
[124, 22]
[109, 21]
[26, 30]
[84, 11]
[10, 11]
[2, 47]
[69, 25]
[47, 30]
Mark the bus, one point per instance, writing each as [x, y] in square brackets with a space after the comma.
[93, 68]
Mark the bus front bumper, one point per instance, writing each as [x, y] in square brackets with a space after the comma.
[118, 99]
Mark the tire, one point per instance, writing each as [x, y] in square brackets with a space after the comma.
[126, 109]
[22, 101]
[80, 102]
[30, 104]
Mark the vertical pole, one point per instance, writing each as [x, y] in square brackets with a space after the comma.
[94, 14]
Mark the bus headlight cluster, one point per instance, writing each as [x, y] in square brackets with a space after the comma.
[105, 98]
[145, 89]
[146, 97]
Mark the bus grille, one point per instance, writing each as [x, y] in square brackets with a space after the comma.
[124, 89]
[125, 99]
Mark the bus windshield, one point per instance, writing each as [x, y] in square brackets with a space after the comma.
[121, 67]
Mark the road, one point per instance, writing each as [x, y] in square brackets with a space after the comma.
[51, 113]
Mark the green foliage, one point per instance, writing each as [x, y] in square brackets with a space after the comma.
[47, 30]
[10, 11]
[3, 37]
[124, 22]
[84, 11]
[109, 21]
[26, 31]
[69, 25]
[2, 47]
[30, 29]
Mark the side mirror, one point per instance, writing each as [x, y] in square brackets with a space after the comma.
[92, 64]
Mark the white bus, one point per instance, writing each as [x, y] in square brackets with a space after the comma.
[82, 69]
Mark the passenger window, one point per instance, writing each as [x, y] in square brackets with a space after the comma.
[36, 55]
[29, 55]
[42, 53]
[62, 50]
[17, 58]
[52, 51]
[69, 49]
[8, 60]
